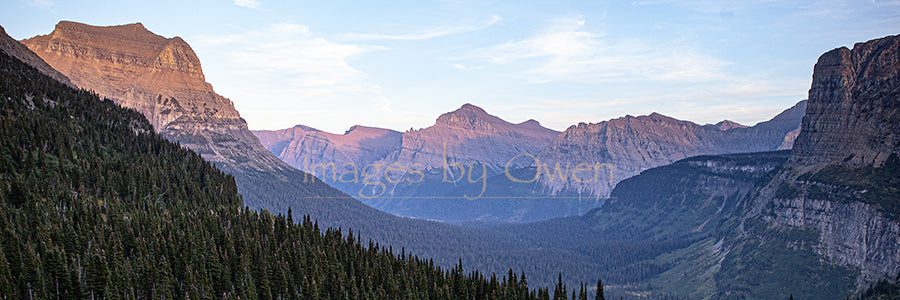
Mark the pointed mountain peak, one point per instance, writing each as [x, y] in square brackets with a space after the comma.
[726, 125]
[470, 107]
[531, 122]
[468, 116]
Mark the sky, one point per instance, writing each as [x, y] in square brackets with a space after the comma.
[400, 64]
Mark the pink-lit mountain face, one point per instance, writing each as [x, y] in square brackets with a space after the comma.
[471, 165]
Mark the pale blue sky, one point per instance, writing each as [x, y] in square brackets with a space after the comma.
[400, 64]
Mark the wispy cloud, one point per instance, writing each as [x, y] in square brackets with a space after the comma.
[719, 6]
[247, 3]
[567, 52]
[41, 3]
[300, 74]
[428, 34]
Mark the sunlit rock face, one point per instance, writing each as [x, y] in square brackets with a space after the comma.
[160, 78]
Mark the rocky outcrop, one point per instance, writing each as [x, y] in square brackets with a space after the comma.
[15, 49]
[835, 181]
[852, 233]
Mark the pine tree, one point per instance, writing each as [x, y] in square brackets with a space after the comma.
[600, 295]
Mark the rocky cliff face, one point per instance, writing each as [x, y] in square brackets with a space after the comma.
[161, 78]
[15, 49]
[854, 106]
[841, 180]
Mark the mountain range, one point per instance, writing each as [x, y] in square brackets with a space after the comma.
[473, 166]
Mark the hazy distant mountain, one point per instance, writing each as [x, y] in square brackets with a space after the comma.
[462, 139]
[302, 146]
[471, 135]
[585, 154]
[628, 145]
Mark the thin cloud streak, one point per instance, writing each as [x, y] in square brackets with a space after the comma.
[247, 3]
[567, 52]
[439, 32]
[41, 3]
[289, 66]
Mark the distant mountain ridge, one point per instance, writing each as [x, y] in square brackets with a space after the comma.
[630, 145]
[470, 137]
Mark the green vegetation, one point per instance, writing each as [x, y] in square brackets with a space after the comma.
[879, 186]
[882, 290]
[94, 204]
[772, 262]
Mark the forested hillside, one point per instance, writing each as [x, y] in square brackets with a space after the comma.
[94, 204]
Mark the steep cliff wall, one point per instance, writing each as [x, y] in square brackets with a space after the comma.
[854, 109]
[843, 175]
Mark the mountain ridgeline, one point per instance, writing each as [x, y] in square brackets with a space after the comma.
[94, 204]
[473, 166]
